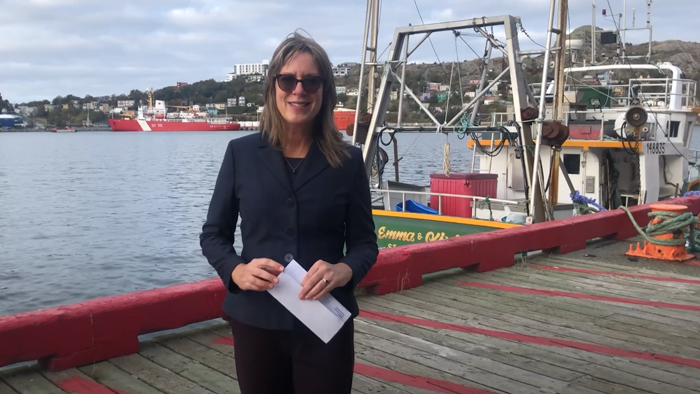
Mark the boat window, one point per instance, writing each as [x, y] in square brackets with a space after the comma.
[572, 163]
[673, 132]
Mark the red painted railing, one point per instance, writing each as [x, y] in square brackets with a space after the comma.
[95, 330]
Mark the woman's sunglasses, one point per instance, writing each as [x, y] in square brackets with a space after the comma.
[288, 83]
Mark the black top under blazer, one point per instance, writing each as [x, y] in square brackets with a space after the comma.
[322, 213]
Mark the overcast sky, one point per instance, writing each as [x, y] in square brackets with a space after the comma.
[60, 47]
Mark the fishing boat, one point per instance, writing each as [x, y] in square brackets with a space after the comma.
[565, 324]
[563, 148]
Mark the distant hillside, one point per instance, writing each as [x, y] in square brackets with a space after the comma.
[684, 54]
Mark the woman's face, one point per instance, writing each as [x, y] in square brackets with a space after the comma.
[299, 102]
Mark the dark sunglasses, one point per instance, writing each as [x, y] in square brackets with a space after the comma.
[288, 83]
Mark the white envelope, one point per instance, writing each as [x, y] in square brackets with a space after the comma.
[323, 317]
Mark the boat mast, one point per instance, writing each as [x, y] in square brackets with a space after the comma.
[558, 101]
[593, 61]
[537, 178]
[371, 33]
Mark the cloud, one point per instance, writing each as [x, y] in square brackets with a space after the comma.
[57, 47]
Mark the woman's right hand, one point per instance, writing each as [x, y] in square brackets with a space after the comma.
[258, 274]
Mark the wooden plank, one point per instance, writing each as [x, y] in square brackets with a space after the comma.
[602, 273]
[68, 376]
[565, 260]
[598, 385]
[366, 384]
[188, 368]
[517, 323]
[500, 372]
[649, 286]
[213, 359]
[433, 361]
[435, 312]
[368, 355]
[369, 385]
[553, 318]
[203, 344]
[594, 309]
[209, 340]
[111, 376]
[483, 347]
[26, 380]
[561, 308]
[682, 316]
[625, 287]
[488, 348]
[155, 375]
[5, 389]
[223, 330]
[561, 281]
[473, 343]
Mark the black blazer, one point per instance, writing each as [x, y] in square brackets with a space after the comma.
[315, 216]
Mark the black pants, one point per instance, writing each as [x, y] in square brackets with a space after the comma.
[293, 362]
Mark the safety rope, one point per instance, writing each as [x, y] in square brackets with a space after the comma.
[671, 222]
[581, 204]
[488, 204]
[486, 201]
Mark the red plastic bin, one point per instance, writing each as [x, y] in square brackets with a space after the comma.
[465, 184]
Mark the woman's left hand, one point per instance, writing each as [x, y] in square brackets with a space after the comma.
[322, 278]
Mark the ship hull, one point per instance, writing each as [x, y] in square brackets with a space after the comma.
[166, 125]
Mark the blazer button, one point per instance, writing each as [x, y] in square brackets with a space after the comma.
[290, 203]
[288, 257]
[290, 231]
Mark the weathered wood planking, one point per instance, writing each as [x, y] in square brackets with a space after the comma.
[423, 359]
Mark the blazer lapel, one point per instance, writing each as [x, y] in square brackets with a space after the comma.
[314, 163]
[274, 162]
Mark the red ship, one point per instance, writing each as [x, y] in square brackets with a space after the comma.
[171, 125]
[157, 118]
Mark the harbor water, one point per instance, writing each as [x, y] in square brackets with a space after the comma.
[91, 214]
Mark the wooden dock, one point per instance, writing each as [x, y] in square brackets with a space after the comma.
[590, 322]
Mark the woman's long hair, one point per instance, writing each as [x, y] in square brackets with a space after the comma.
[325, 131]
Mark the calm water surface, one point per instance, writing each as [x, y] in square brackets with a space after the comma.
[91, 214]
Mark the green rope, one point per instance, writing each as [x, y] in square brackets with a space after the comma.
[488, 204]
[464, 124]
[582, 208]
[487, 201]
[672, 222]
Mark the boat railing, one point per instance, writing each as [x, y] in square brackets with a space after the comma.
[659, 91]
[440, 196]
[651, 92]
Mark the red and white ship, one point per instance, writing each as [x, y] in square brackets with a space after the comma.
[157, 118]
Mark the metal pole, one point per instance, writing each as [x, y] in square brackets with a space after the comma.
[593, 61]
[478, 96]
[362, 70]
[484, 77]
[373, 57]
[403, 85]
[396, 156]
[543, 109]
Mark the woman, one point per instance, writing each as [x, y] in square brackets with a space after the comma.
[302, 194]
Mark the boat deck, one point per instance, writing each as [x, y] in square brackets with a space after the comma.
[588, 322]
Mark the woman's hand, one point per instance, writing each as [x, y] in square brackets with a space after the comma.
[322, 278]
[258, 274]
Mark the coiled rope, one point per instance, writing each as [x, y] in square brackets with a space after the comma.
[671, 222]
[445, 153]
